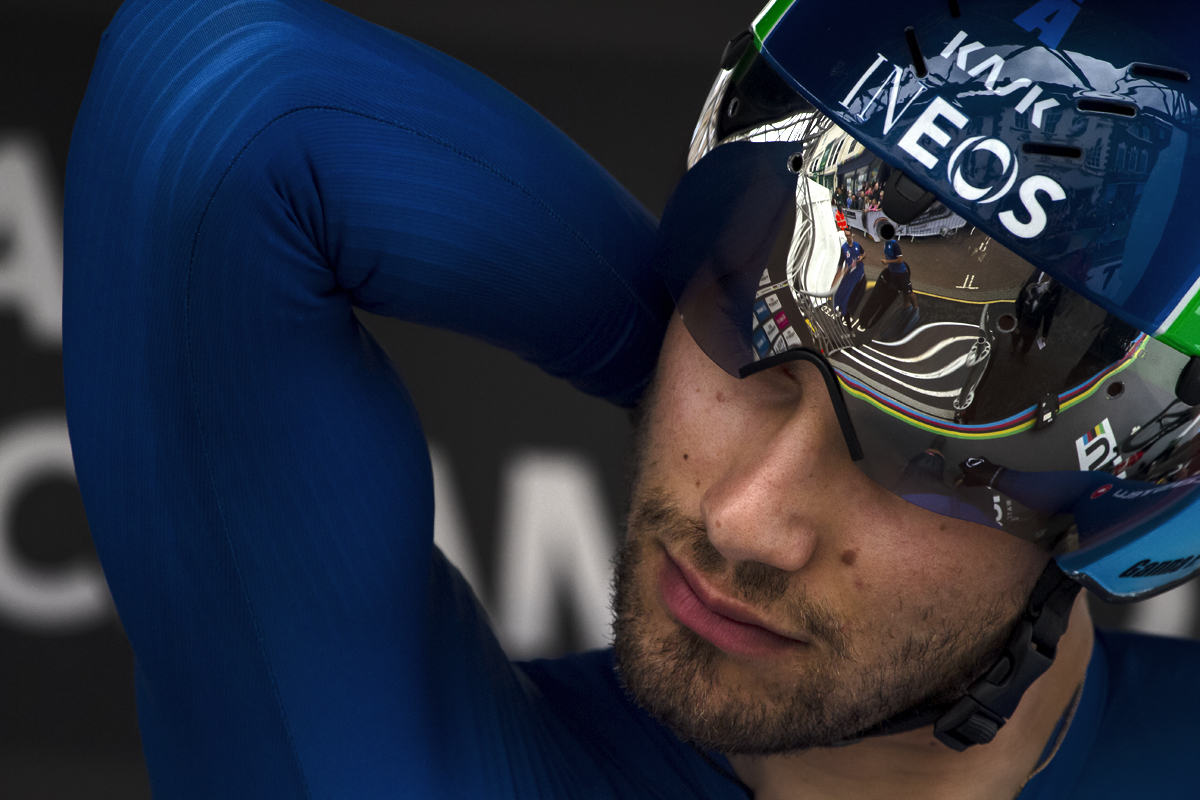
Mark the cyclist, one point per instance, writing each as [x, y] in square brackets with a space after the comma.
[244, 172]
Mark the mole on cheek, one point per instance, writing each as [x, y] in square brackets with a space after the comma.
[720, 397]
[685, 456]
[848, 557]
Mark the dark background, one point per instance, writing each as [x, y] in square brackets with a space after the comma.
[625, 79]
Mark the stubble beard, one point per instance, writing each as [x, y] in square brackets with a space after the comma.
[838, 690]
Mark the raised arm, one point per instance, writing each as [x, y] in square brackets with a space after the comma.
[242, 174]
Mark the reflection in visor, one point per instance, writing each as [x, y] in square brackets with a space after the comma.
[930, 320]
[978, 386]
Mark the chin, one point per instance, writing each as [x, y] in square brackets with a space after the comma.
[853, 676]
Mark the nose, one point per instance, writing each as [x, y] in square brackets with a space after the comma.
[779, 498]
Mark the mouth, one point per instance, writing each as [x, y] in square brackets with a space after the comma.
[722, 621]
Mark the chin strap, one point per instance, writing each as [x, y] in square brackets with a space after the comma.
[978, 715]
[1030, 651]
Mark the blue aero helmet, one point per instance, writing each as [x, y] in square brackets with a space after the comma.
[978, 221]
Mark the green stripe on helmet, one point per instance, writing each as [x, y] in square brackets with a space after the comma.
[1184, 333]
[768, 18]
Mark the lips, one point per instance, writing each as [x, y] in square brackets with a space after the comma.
[733, 630]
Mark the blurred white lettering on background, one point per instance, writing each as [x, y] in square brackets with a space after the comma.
[64, 598]
[30, 239]
[1172, 613]
[67, 598]
[555, 540]
[449, 524]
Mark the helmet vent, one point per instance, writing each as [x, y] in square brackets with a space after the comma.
[1107, 107]
[1056, 150]
[954, 10]
[1159, 73]
[914, 48]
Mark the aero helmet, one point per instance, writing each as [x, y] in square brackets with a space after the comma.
[976, 222]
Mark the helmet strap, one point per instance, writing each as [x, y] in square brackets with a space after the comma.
[1029, 652]
[978, 715]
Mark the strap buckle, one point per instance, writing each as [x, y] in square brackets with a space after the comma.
[979, 714]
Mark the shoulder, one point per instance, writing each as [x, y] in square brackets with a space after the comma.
[1152, 677]
[1146, 741]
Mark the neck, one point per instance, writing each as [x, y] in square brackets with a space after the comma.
[915, 765]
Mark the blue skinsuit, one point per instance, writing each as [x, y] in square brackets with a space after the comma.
[243, 173]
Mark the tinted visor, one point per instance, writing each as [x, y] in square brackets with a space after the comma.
[969, 381]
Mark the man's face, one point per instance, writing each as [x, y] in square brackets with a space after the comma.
[849, 238]
[769, 596]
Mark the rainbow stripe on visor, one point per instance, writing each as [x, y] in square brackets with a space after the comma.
[975, 385]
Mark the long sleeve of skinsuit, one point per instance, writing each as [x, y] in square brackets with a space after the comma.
[243, 174]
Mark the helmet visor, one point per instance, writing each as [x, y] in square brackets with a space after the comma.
[973, 383]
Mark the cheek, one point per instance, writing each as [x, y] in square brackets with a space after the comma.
[900, 551]
[695, 418]
[878, 555]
